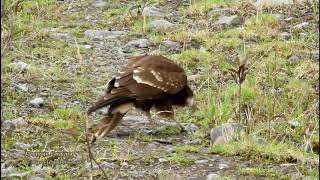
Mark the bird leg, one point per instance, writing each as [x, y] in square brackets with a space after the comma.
[182, 129]
[151, 120]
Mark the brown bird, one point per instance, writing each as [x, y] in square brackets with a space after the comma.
[146, 81]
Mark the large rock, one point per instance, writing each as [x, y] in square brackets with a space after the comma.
[20, 66]
[162, 26]
[153, 12]
[272, 3]
[102, 34]
[61, 36]
[171, 45]
[14, 124]
[37, 102]
[213, 176]
[229, 20]
[225, 133]
[141, 43]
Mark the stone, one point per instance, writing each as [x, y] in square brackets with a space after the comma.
[193, 77]
[294, 58]
[225, 133]
[259, 140]
[37, 102]
[294, 124]
[272, 3]
[22, 87]
[141, 43]
[213, 176]
[162, 26]
[301, 25]
[102, 34]
[21, 145]
[190, 127]
[61, 36]
[162, 160]
[285, 35]
[171, 45]
[87, 46]
[14, 124]
[223, 166]
[20, 66]
[201, 161]
[153, 12]
[229, 20]
[99, 3]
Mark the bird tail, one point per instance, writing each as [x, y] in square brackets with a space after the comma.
[105, 101]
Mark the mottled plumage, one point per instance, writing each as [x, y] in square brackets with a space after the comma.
[146, 81]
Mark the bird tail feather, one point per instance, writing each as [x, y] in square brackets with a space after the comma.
[104, 102]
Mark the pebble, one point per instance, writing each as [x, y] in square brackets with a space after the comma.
[229, 20]
[37, 102]
[162, 25]
[213, 176]
[14, 124]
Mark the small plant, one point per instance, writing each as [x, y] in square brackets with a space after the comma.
[238, 74]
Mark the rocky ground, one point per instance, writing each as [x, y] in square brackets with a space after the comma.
[63, 52]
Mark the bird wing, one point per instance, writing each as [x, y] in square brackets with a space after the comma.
[148, 78]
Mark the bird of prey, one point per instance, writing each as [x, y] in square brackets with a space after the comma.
[147, 81]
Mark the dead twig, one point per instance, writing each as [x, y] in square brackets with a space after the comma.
[88, 144]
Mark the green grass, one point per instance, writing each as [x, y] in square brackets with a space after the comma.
[261, 172]
[269, 152]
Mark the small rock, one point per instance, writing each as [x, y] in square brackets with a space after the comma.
[171, 45]
[294, 124]
[259, 140]
[170, 150]
[20, 66]
[37, 102]
[223, 166]
[201, 161]
[14, 124]
[193, 142]
[301, 25]
[190, 127]
[152, 12]
[124, 163]
[102, 34]
[294, 58]
[163, 160]
[22, 87]
[213, 176]
[229, 20]
[61, 36]
[225, 133]
[193, 77]
[99, 3]
[162, 25]
[21, 145]
[141, 43]
[285, 35]
[87, 46]
[272, 3]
